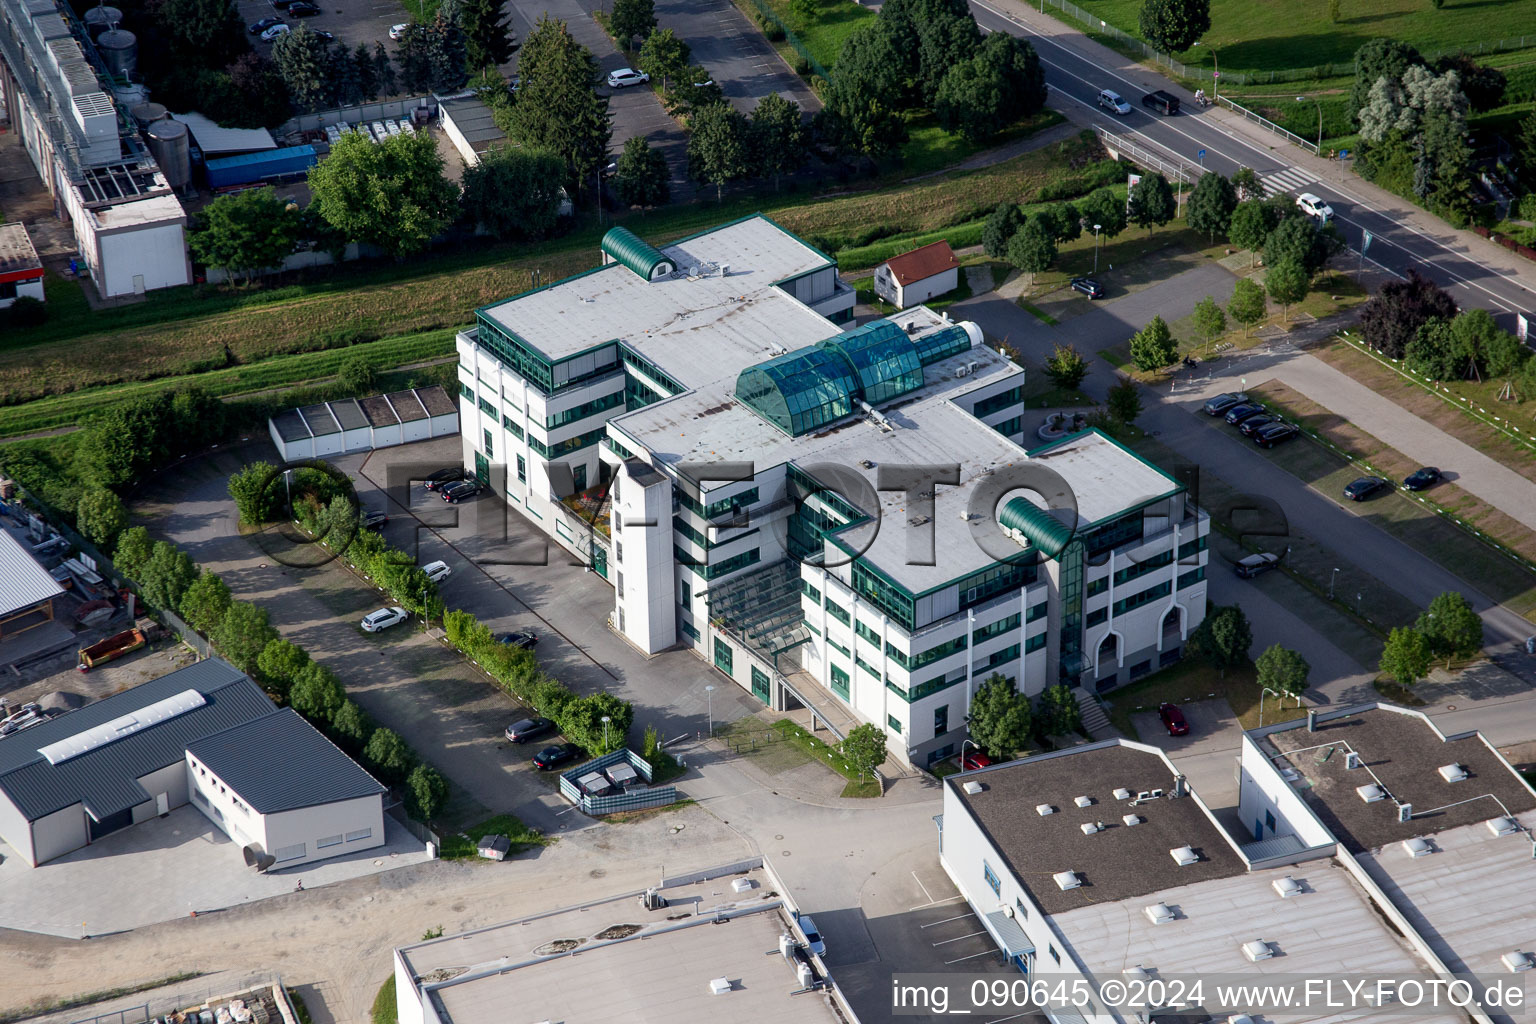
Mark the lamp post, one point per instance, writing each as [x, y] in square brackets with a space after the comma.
[962, 751]
[1331, 580]
[1303, 99]
[606, 720]
[1096, 229]
[1216, 76]
[709, 695]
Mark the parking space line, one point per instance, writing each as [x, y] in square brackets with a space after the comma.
[972, 935]
[973, 956]
[958, 917]
[934, 903]
[923, 887]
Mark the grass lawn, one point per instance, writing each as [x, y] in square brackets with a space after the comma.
[930, 148]
[1195, 679]
[825, 32]
[461, 845]
[385, 1010]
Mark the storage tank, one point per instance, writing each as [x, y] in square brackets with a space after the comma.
[148, 113]
[119, 50]
[102, 19]
[169, 141]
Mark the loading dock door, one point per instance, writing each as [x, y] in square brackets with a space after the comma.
[111, 823]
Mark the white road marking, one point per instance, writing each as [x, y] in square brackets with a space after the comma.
[958, 917]
[957, 938]
[923, 887]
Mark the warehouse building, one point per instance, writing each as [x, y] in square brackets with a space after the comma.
[708, 388]
[21, 272]
[27, 590]
[264, 776]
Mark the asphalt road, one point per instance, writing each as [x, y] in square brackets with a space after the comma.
[1075, 80]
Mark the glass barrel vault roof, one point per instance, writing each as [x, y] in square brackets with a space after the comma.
[799, 391]
[882, 356]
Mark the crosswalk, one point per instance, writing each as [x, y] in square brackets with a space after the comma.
[1288, 180]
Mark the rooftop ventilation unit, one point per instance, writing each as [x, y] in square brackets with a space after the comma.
[1352, 761]
[807, 976]
[1290, 774]
[1287, 887]
[1452, 772]
[1160, 913]
[1503, 826]
[743, 885]
[1090, 827]
[1257, 950]
[719, 986]
[1518, 961]
[1084, 801]
[918, 521]
[1044, 809]
[1137, 972]
[1067, 880]
[1371, 793]
[1405, 812]
[973, 787]
[1184, 856]
[867, 463]
[1122, 793]
[1417, 847]
[1133, 819]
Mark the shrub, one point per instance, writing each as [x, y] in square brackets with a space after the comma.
[243, 634]
[801, 66]
[316, 693]
[425, 792]
[350, 727]
[389, 756]
[280, 663]
[28, 312]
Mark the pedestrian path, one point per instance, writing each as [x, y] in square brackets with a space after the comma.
[1289, 180]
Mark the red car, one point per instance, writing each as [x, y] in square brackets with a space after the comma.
[1173, 718]
[974, 760]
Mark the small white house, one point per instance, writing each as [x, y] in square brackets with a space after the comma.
[21, 272]
[917, 276]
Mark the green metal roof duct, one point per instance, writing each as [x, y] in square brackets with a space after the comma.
[624, 246]
[1045, 532]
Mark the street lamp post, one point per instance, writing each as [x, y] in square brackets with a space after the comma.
[1303, 99]
[962, 751]
[1216, 76]
[1331, 580]
[1096, 229]
[709, 695]
[606, 720]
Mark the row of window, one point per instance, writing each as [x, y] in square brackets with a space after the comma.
[1112, 535]
[998, 402]
[997, 628]
[720, 568]
[584, 410]
[716, 508]
[1010, 426]
[864, 630]
[837, 611]
[512, 425]
[570, 444]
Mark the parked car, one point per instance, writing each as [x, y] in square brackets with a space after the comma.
[1088, 286]
[1314, 207]
[373, 622]
[1238, 413]
[303, 9]
[461, 491]
[374, 519]
[1419, 479]
[1173, 719]
[625, 77]
[522, 638]
[526, 729]
[1253, 424]
[329, 37]
[265, 23]
[1256, 565]
[553, 757]
[437, 571]
[1221, 403]
[276, 30]
[1276, 433]
[974, 760]
[1161, 102]
[1365, 487]
[812, 934]
[444, 477]
[397, 32]
[1113, 102]
[24, 717]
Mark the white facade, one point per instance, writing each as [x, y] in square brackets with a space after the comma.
[32, 289]
[889, 288]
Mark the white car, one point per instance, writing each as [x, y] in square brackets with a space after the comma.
[812, 934]
[275, 31]
[437, 571]
[1113, 102]
[397, 31]
[1314, 207]
[373, 622]
[625, 77]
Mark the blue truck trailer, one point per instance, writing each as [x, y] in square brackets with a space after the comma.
[249, 168]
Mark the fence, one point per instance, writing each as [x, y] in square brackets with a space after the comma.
[1119, 146]
[1268, 125]
[420, 831]
[658, 796]
[205, 991]
[396, 108]
[762, 8]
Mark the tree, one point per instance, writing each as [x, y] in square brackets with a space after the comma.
[1032, 248]
[1481, 342]
[389, 194]
[1123, 400]
[1153, 347]
[631, 18]
[356, 375]
[134, 549]
[316, 693]
[866, 93]
[557, 108]
[350, 727]
[1287, 282]
[343, 84]
[1432, 352]
[864, 747]
[121, 443]
[1483, 86]
[264, 96]
[1394, 315]
[779, 139]
[245, 232]
[204, 603]
[1000, 226]
[1405, 656]
[415, 59]
[1066, 367]
[1297, 237]
[665, 57]
[694, 89]
[447, 54]
[384, 70]
[946, 42]
[1252, 221]
[1001, 83]
[166, 576]
[1378, 59]
[1245, 182]
[1150, 202]
[1451, 627]
[1211, 205]
[303, 61]
[251, 488]
[280, 663]
[642, 177]
[242, 634]
[425, 792]
[389, 757]
[581, 721]
[1210, 321]
[719, 143]
[100, 516]
[1247, 305]
[1174, 25]
[201, 27]
[487, 36]
[1223, 638]
[1059, 713]
[514, 193]
[1105, 209]
[1283, 670]
[1000, 719]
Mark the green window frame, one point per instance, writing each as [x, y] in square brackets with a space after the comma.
[512, 426]
[1150, 564]
[1147, 596]
[897, 655]
[889, 597]
[1113, 534]
[837, 611]
[725, 656]
[839, 648]
[733, 563]
[760, 685]
[998, 402]
[1194, 547]
[570, 444]
[585, 409]
[1012, 425]
[1096, 587]
[487, 407]
[681, 526]
[997, 628]
[1002, 657]
[1192, 577]
[933, 686]
[1096, 617]
[933, 654]
[617, 448]
[839, 681]
[866, 666]
[1038, 611]
[809, 590]
[522, 469]
[894, 723]
[1035, 642]
[465, 391]
[490, 445]
[867, 632]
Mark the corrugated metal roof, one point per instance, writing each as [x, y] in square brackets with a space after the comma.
[349, 414]
[23, 582]
[96, 779]
[281, 762]
[624, 246]
[215, 140]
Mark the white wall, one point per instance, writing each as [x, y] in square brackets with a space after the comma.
[16, 830]
[917, 292]
[309, 825]
[59, 833]
[1262, 789]
[25, 289]
[157, 252]
[170, 780]
[645, 601]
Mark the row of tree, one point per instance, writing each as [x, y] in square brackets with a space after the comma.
[1448, 629]
[1003, 721]
[1415, 320]
[1029, 241]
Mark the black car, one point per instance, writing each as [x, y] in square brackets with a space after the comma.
[1238, 413]
[1365, 487]
[1276, 433]
[443, 477]
[1419, 479]
[1163, 103]
[1088, 286]
[1221, 403]
[1253, 424]
[264, 24]
[1255, 565]
[553, 757]
[303, 9]
[522, 638]
[461, 491]
[526, 729]
[329, 37]
[373, 519]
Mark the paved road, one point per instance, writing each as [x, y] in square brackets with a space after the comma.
[1476, 272]
[734, 52]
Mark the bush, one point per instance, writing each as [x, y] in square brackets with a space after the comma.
[317, 694]
[425, 792]
[389, 757]
[350, 728]
[801, 66]
[28, 312]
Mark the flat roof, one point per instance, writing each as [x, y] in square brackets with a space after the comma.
[290, 425]
[406, 405]
[320, 420]
[1403, 751]
[473, 120]
[348, 414]
[436, 401]
[378, 411]
[159, 209]
[281, 763]
[216, 140]
[1119, 863]
[1106, 477]
[24, 583]
[17, 254]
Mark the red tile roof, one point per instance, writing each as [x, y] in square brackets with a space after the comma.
[922, 263]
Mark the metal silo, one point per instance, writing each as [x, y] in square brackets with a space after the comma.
[119, 49]
[102, 19]
[148, 113]
[170, 143]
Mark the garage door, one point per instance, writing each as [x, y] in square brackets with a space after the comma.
[111, 823]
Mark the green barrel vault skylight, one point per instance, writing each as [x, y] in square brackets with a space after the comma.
[624, 246]
[882, 356]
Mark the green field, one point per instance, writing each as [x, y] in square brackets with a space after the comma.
[825, 33]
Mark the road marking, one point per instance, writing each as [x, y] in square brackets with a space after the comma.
[958, 938]
[923, 887]
[934, 903]
[973, 956]
[958, 917]
[1288, 180]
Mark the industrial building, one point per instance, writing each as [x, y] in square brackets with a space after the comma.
[718, 944]
[67, 85]
[1101, 862]
[694, 423]
[205, 734]
[21, 272]
[27, 590]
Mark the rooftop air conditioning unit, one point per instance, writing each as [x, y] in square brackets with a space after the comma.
[1084, 801]
[1452, 772]
[1133, 819]
[1090, 827]
[1503, 826]
[1184, 856]
[973, 787]
[1067, 880]
[1417, 847]
[1352, 761]
[1518, 961]
[1257, 950]
[1044, 809]
[720, 986]
[1122, 793]
[1287, 887]
[1370, 793]
[1160, 913]
[962, 371]
[742, 885]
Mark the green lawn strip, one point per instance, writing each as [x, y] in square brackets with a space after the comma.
[826, 30]
[867, 789]
[385, 1010]
[1196, 679]
[817, 749]
[461, 845]
[1038, 314]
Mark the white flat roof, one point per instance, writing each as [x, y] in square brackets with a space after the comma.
[23, 582]
[140, 212]
[1106, 478]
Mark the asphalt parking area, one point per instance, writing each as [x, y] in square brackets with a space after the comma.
[734, 52]
[350, 21]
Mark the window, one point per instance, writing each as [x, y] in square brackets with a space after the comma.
[693, 633]
[1096, 617]
[512, 426]
[733, 563]
[837, 611]
[934, 685]
[360, 835]
[1191, 577]
[570, 444]
[487, 408]
[993, 882]
[760, 687]
[895, 725]
[980, 587]
[839, 682]
[1001, 657]
[810, 591]
[998, 402]
[1096, 587]
[522, 470]
[866, 666]
[1147, 596]
[1146, 565]
[1034, 643]
[943, 650]
[1038, 611]
[1193, 547]
[1141, 668]
[564, 531]
[199, 796]
[867, 632]
[717, 508]
[997, 628]
[687, 592]
[1054, 955]
[335, 840]
[839, 648]
[585, 409]
[724, 656]
[1010, 426]
[1168, 657]
[940, 721]
[1112, 535]
[889, 597]
[283, 853]
[1269, 820]
[490, 446]
[681, 526]
[1023, 911]
[896, 654]
[465, 392]
[8, 289]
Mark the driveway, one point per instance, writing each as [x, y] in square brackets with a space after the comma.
[734, 52]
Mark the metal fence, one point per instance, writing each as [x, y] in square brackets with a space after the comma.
[762, 8]
[658, 796]
[1148, 159]
[419, 830]
[1268, 125]
[191, 994]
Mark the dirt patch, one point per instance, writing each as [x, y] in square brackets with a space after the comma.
[618, 931]
[443, 974]
[558, 946]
